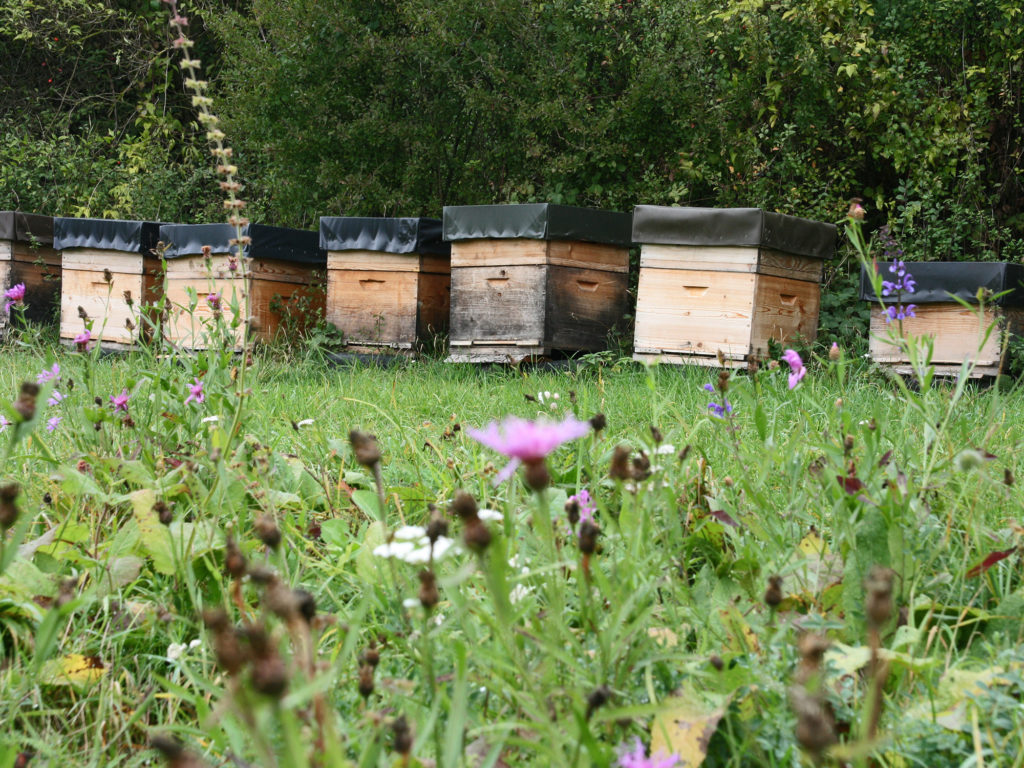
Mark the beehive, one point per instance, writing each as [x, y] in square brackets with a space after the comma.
[721, 283]
[535, 280]
[27, 257]
[281, 276]
[957, 332]
[93, 250]
[388, 280]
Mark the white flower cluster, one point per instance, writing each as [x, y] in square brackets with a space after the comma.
[549, 399]
[176, 650]
[411, 545]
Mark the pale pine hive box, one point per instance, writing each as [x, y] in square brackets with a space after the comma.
[93, 250]
[719, 284]
[388, 280]
[535, 280]
[958, 333]
[27, 257]
[278, 287]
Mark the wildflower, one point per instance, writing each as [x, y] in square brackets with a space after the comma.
[490, 514]
[527, 442]
[583, 506]
[211, 419]
[796, 367]
[54, 399]
[636, 757]
[82, 340]
[52, 423]
[48, 375]
[897, 312]
[833, 352]
[213, 300]
[195, 392]
[176, 650]
[120, 402]
[15, 296]
[4, 422]
[856, 211]
[411, 544]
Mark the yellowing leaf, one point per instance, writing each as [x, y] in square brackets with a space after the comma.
[663, 636]
[73, 669]
[812, 544]
[685, 727]
[741, 636]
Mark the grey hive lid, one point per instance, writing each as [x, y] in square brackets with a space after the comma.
[939, 281]
[536, 221]
[106, 234]
[26, 227]
[386, 234]
[298, 246]
[665, 225]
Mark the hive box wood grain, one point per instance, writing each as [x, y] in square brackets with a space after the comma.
[27, 257]
[388, 280]
[535, 280]
[282, 277]
[93, 249]
[720, 284]
[957, 333]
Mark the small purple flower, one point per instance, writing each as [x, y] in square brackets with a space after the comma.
[796, 367]
[585, 503]
[120, 402]
[709, 387]
[636, 757]
[15, 295]
[527, 441]
[49, 375]
[52, 423]
[213, 300]
[720, 410]
[55, 398]
[4, 423]
[82, 340]
[195, 392]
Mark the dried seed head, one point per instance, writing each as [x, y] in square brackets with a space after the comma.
[172, 750]
[641, 467]
[464, 505]
[683, 454]
[402, 742]
[163, 511]
[598, 422]
[620, 468]
[597, 699]
[227, 646]
[267, 531]
[815, 725]
[307, 604]
[536, 476]
[848, 444]
[588, 537]
[25, 405]
[8, 509]
[438, 526]
[476, 535]
[128, 298]
[1008, 476]
[656, 435]
[773, 594]
[723, 381]
[82, 315]
[572, 511]
[365, 680]
[269, 674]
[107, 277]
[365, 447]
[429, 596]
[234, 560]
[371, 656]
[878, 604]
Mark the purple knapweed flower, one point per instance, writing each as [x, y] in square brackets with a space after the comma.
[4, 423]
[213, 300]
[585, 503]
[55, 398]
[48, 375]
[120, 402]
[15, 295]
[52, 423]
[796, 367]
[195, 392]
[636, 757]
[82, 340]
[527, 441]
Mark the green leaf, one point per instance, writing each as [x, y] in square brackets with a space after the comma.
[368, 503]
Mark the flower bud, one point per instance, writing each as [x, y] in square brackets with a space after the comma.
[464, 505]
[8, 509]
[234, 560]
[588, 537]
[365, 446]
[620, 469]
[429, 596]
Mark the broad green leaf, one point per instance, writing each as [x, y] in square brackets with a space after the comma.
[368, 502]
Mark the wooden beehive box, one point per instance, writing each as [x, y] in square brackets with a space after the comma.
[534, 280]
[281, 277]
[724, 282]
[124, 249]
[27, 257]
[388, 280]
[957, 331]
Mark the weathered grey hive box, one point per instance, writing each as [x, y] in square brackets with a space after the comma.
[27, 256]
[956, 331]
[281, 277]
[720, 282]
[93, 249]
[388, 280]
[530, 280]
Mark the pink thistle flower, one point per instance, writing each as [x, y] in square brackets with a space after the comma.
[48, 375]
[120, 402]
[527, 441]
[636, 757]
[15, 295]
[52, 423]
[195, 393]
[213, 300]
[4, 423]
[82, 340]
[796, 367]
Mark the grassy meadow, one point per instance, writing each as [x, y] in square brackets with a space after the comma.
[827, 574]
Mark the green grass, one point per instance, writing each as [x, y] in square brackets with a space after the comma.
[503, 668]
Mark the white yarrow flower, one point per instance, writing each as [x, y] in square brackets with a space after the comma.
[490, 514]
